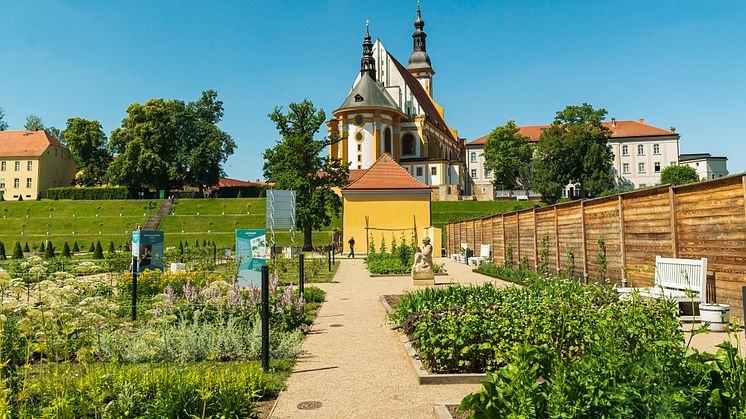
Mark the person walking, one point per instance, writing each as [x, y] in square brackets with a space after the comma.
[351, 242]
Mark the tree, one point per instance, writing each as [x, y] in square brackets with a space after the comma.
[26, 248]
[679, 175]
[92, 248]
[76, 248]
[2, 251]
[111, 249]
[3, 123]
[42, 248]
[296, 162]
[87, 142]
[66, 251]
[55, 132]
[17, 252]
[34, 123]
[49, 252]
[574, 150]
[98, 253]
[507, 154]
[165, 144]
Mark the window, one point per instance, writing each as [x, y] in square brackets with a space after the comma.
[359, 147]
[641, 167]
[625, 167]
[640, 150]
[359, 120]
[29, 165]
[28, 182]
[656, 149]
[359, 158]
[408, 146]
[433, 171]
[359, 166]
[16, 183]
[473, 173]
[18, 166]
[2, 166]
[625, 150]
[487, 173]
[473, 157]
[419, 171]
[657, 166]
[387, 140]
[359, 136]
[2, 183]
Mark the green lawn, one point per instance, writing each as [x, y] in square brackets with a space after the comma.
[443, 212]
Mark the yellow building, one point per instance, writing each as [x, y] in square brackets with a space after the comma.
[32, 162]
[390, 202]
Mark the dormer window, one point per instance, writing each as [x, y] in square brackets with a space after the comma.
[358, 98]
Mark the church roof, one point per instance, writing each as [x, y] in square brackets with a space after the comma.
[367, 93]
[431, 112]
[26, 143]
[620, 129]
[385, 175]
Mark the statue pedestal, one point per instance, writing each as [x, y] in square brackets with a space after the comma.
[423, 278]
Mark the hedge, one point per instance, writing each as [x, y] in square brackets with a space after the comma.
[246, 191]
[88, 193]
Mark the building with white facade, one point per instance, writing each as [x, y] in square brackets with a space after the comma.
[707, 166]
[641, 152]
[390, 109]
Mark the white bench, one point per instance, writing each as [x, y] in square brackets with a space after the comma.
[464, 252]
[484, 253]
[681, 280]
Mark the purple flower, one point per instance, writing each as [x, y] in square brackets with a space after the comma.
[170, 296]
[190, 292]
[287, 296]
[235, 299]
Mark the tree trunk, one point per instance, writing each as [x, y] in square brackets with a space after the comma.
[307, 241]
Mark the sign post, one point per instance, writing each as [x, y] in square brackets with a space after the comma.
[251, 255]
[265, 318]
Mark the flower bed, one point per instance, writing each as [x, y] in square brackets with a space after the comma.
[396, 261]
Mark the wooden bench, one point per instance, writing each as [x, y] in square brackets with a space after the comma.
[680, 280]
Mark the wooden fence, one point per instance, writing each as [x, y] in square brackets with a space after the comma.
[706, 219]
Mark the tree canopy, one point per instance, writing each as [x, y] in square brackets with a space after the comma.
[87, 142]
[34, 123]
[3, 123]
[298, 162]
[166, 144]
[679, 175]
[507, 155]
[574, 150]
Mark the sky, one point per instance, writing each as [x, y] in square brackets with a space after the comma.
[676, 63]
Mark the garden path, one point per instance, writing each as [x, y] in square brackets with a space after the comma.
[354, 364]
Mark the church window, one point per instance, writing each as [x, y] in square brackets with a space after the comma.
[359, 136]
[387, 140]
[408, 146]
[359, 120]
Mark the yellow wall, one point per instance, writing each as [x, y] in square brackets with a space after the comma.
[56, 169]
[386, 211]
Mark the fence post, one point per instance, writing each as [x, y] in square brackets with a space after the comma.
[536, 247]
[585, 246]
[518, 236]
[505, 248]
[301, 275]
[329, 258]
[622, 246]
[265, 318]
[556, 238]
[674, 238]
[134, 288]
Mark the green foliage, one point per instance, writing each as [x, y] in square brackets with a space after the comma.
[66, 251]
[679, 175]
[314, 295]
[76, 248]
[239, 194]
[241, 191]
[544, 254]
[574, 150]
[2, 251]
[91, 193]
[49, 251]
[98, 252]
[396, 262]
[33, 123]
[509, 256]
[187, 147]
[570, 256]
[603, 263]
[521, 277]
[17, 252]
[3, 123]
[42, 247]
[92, 248]
[111, 249]
[523, 264]
[87, 142]
[20, 198]
[507, 154]
[299, 162]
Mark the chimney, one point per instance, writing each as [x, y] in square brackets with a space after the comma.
[613, 122]
[642, 120]
[673, 129]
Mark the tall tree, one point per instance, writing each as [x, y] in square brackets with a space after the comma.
[507, 154]
[574, 150]
[166, 143]
[679, 175]
[34, 123]
[297, 162]
[3, 123]
[87, 142]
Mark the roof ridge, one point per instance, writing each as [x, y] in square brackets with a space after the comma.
[400, 174]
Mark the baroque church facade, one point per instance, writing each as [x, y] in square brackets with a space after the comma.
[390, 110]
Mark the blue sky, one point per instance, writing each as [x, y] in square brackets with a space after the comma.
[675, 63]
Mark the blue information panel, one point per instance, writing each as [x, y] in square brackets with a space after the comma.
[251, 255]
[147, 247]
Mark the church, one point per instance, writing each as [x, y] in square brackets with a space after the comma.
[391, 110]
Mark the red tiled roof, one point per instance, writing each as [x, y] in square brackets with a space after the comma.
[622, 129]
[355, 174]
[385, 174]
[423, 99]
[26, 143]
[230, 183]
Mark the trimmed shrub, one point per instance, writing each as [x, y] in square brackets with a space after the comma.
[181, 248]
[196, 243]
[98, 252]
[111, 247]
[38, 197]
[25, 248]
[17, 252]
[88, 193]
[49, 251]
[2, 251]
[92, 248]
[42, 248]
[66, 251]
[241, 192]
[20, 197]
[76, 249]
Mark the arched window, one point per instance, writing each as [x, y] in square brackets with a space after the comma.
[408, 146]
[387, 140]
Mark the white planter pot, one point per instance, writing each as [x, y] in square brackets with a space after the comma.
[178, 267]
[715, 314]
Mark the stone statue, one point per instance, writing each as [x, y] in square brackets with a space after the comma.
[422, 270]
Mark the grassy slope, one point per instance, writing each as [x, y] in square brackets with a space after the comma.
[445, 211]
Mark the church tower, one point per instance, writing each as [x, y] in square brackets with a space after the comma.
[419, 61]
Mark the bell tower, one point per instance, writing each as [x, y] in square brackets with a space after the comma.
[419, 62]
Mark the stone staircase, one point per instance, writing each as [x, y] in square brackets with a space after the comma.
[155, 220]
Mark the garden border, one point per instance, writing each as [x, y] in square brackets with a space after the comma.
[440, 410]
[402, 275]
[425, 377]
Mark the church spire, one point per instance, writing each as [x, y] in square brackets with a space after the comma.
[368, 63]
[419, 58]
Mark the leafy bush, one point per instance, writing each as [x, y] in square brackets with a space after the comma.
[314, 295]
[98, 252]
[88, 193]
[501, 272]
[17, 252]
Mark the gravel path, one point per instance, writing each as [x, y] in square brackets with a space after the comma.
[354, 364]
